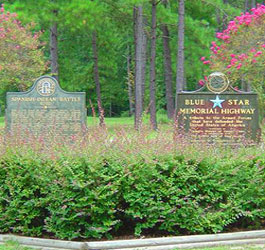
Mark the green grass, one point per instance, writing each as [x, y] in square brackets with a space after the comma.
[233, 248]
[13, 246]
[112, 121]
[2, 124]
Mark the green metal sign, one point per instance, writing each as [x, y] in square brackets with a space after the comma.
[46, 108]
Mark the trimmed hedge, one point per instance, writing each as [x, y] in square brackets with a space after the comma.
[96, 194]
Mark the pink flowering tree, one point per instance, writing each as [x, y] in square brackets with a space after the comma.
[240, 50]
[21, 57]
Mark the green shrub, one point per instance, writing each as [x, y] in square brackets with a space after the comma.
[103, 184]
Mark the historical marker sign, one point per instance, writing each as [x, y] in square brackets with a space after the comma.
[221, 116]
[46, 108]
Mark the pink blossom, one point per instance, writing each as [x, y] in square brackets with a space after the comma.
[203, 58]
[233, 55]
[239, 66]
[233, 61]
[201, 82]
[214, 44]
[206, 62]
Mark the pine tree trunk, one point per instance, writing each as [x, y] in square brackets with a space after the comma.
[96, 79]
[139, 67]
[253, 3]
[54, 51]
[225, 16]
[168, 71]
[130, 87]
[135, 38]
[144, 59]
[153, 70]
[246, 5]
[180, 59]
[218, 19]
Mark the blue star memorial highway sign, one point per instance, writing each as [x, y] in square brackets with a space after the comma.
[217, 102]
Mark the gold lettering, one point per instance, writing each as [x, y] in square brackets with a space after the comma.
[238, 102]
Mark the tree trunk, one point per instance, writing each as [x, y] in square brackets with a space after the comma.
[246, 5]
[253, 3]
[153, 69]
[168, 70]
[134, 37]
[96, 79]
[225, 16]
[180, 59]
[54, 51]
[218, 19]
[139, 67]
[130, 80]
[144, 58]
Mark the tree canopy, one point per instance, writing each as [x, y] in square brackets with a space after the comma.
[114, 23]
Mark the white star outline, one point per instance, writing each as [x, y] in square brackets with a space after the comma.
[217, 102]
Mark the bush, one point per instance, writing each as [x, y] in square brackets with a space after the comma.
[103, 184]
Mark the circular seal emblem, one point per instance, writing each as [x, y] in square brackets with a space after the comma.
[217, 82]
[45, 86]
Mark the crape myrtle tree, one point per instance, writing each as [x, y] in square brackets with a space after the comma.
[48, 14]
[21, 57]
[240, 51]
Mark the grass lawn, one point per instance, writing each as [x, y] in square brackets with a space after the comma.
[13, 246]
[112, 121]
[261, 247]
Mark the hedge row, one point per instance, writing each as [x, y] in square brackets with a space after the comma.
[86, 196]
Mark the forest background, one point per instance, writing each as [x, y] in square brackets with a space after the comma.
[91, 46]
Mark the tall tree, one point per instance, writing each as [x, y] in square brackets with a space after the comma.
[246, 5]
[54, 50]
[180, 60]
[96, 78]
[167, 68]
[144, 58]
[54, 44]
[130, 80]
[153, 69]
[225, 17]
[139, 65]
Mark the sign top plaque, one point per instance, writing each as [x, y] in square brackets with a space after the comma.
[217, 82]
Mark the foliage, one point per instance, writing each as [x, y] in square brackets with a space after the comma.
[113, 21]
[21, 55]
[106, 182]
[21, 58]
[13, 246]
[240, 52]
